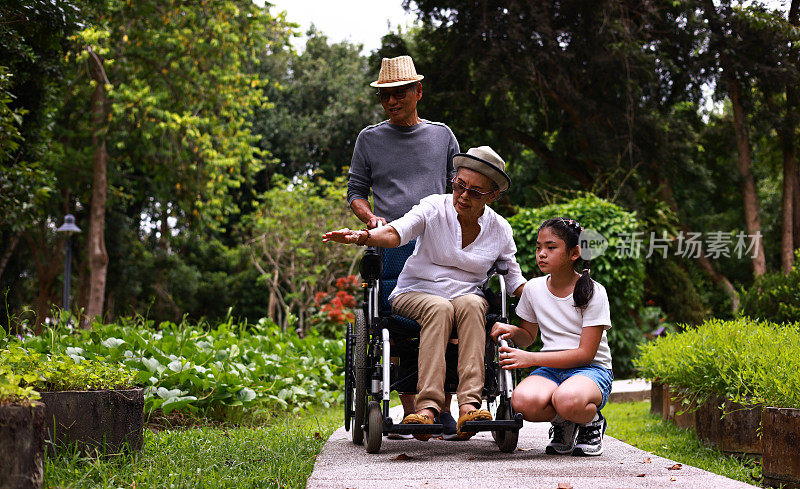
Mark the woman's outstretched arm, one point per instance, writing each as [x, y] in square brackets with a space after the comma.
[383, 236]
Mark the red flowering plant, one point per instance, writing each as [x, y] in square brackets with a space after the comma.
[335, 307]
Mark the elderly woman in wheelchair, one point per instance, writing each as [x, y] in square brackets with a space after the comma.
[458, 239]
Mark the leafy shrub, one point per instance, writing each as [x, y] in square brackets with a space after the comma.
[198, 367]
[671, 286]
[623, 277]
[774, 296]
[334, 307]
[61, 372]
[11, 390]
[741, 359]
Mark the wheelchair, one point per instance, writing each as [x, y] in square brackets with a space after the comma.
[376, 335]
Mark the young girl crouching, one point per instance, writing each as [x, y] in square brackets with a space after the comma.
[574, 377]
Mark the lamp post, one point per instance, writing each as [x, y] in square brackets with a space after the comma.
[69, 228]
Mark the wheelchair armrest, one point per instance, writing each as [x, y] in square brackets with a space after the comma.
[498, 268]
[502, 268]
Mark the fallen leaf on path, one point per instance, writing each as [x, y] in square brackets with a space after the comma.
[673, 479]
[648, 461]
[564, 485]
[675, 467]
[640, 475]
[402, 456]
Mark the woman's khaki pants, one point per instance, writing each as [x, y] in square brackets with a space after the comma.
[437, 316]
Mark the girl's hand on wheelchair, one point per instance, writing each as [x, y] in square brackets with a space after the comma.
[502, 331]
[511, 358]
[344, 235]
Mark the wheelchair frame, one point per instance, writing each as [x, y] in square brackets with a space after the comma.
[368, 372]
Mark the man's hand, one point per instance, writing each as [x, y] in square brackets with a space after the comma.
[502, 331]
[373, 221]
[344, 235]
[511, 358]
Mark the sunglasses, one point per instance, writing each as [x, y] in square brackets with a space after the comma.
[399, 94]
[473, 193]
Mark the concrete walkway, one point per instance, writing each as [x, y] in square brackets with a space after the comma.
[478, 463]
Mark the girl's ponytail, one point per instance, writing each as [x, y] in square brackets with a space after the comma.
[584, 288]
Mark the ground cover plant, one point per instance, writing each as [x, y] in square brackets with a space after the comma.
[205, 368]
[744, 360]
[278, 453]
[632, 423]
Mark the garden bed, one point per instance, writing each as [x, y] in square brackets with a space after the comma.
[21, 445]
[106, 421]
[781, 466]
[724, 374]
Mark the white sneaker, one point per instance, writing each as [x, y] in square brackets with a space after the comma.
[590, 437]
[562, 437]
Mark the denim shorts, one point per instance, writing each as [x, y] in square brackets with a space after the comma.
[601, 376]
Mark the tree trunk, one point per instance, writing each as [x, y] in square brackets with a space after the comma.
[163, 241]
[749, 196]
[789, 170]
[791, 191]
[96, 246]
[48, 263]
[12, 245]
[796, 206]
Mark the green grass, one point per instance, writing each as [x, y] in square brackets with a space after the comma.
[632, 423]
[280, 453]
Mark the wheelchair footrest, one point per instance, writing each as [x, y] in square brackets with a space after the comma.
[410, 429]
[496, 425]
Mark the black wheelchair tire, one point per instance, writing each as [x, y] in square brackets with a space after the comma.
[361, 335]
[506, 440]
[374, 433]
[348, 377]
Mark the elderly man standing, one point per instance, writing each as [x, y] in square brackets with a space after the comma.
[402, 160]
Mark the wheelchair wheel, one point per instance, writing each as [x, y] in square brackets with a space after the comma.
[361, 337]
[506, 440]
[348, 377]
[374, 433]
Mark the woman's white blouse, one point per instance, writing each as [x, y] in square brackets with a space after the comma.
[439, 265]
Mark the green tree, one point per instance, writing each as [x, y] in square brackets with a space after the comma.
[161, 107]
[286, 243]
[320, 101]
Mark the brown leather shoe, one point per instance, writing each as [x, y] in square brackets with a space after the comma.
[476, 415]
[415, 418]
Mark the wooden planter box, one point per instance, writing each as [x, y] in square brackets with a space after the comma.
[105, 421]
[674, 410]
[656, 398]
[21, 446]
[781, 442]
[730, 426]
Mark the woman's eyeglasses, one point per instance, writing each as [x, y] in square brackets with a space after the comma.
[399, 94]
[473, 193]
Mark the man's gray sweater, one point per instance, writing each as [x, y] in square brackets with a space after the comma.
[401, 164]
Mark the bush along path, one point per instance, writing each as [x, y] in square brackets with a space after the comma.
[478, 463]
[202, 368]
[738, 383]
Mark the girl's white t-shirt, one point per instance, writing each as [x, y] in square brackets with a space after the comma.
[560, 322]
